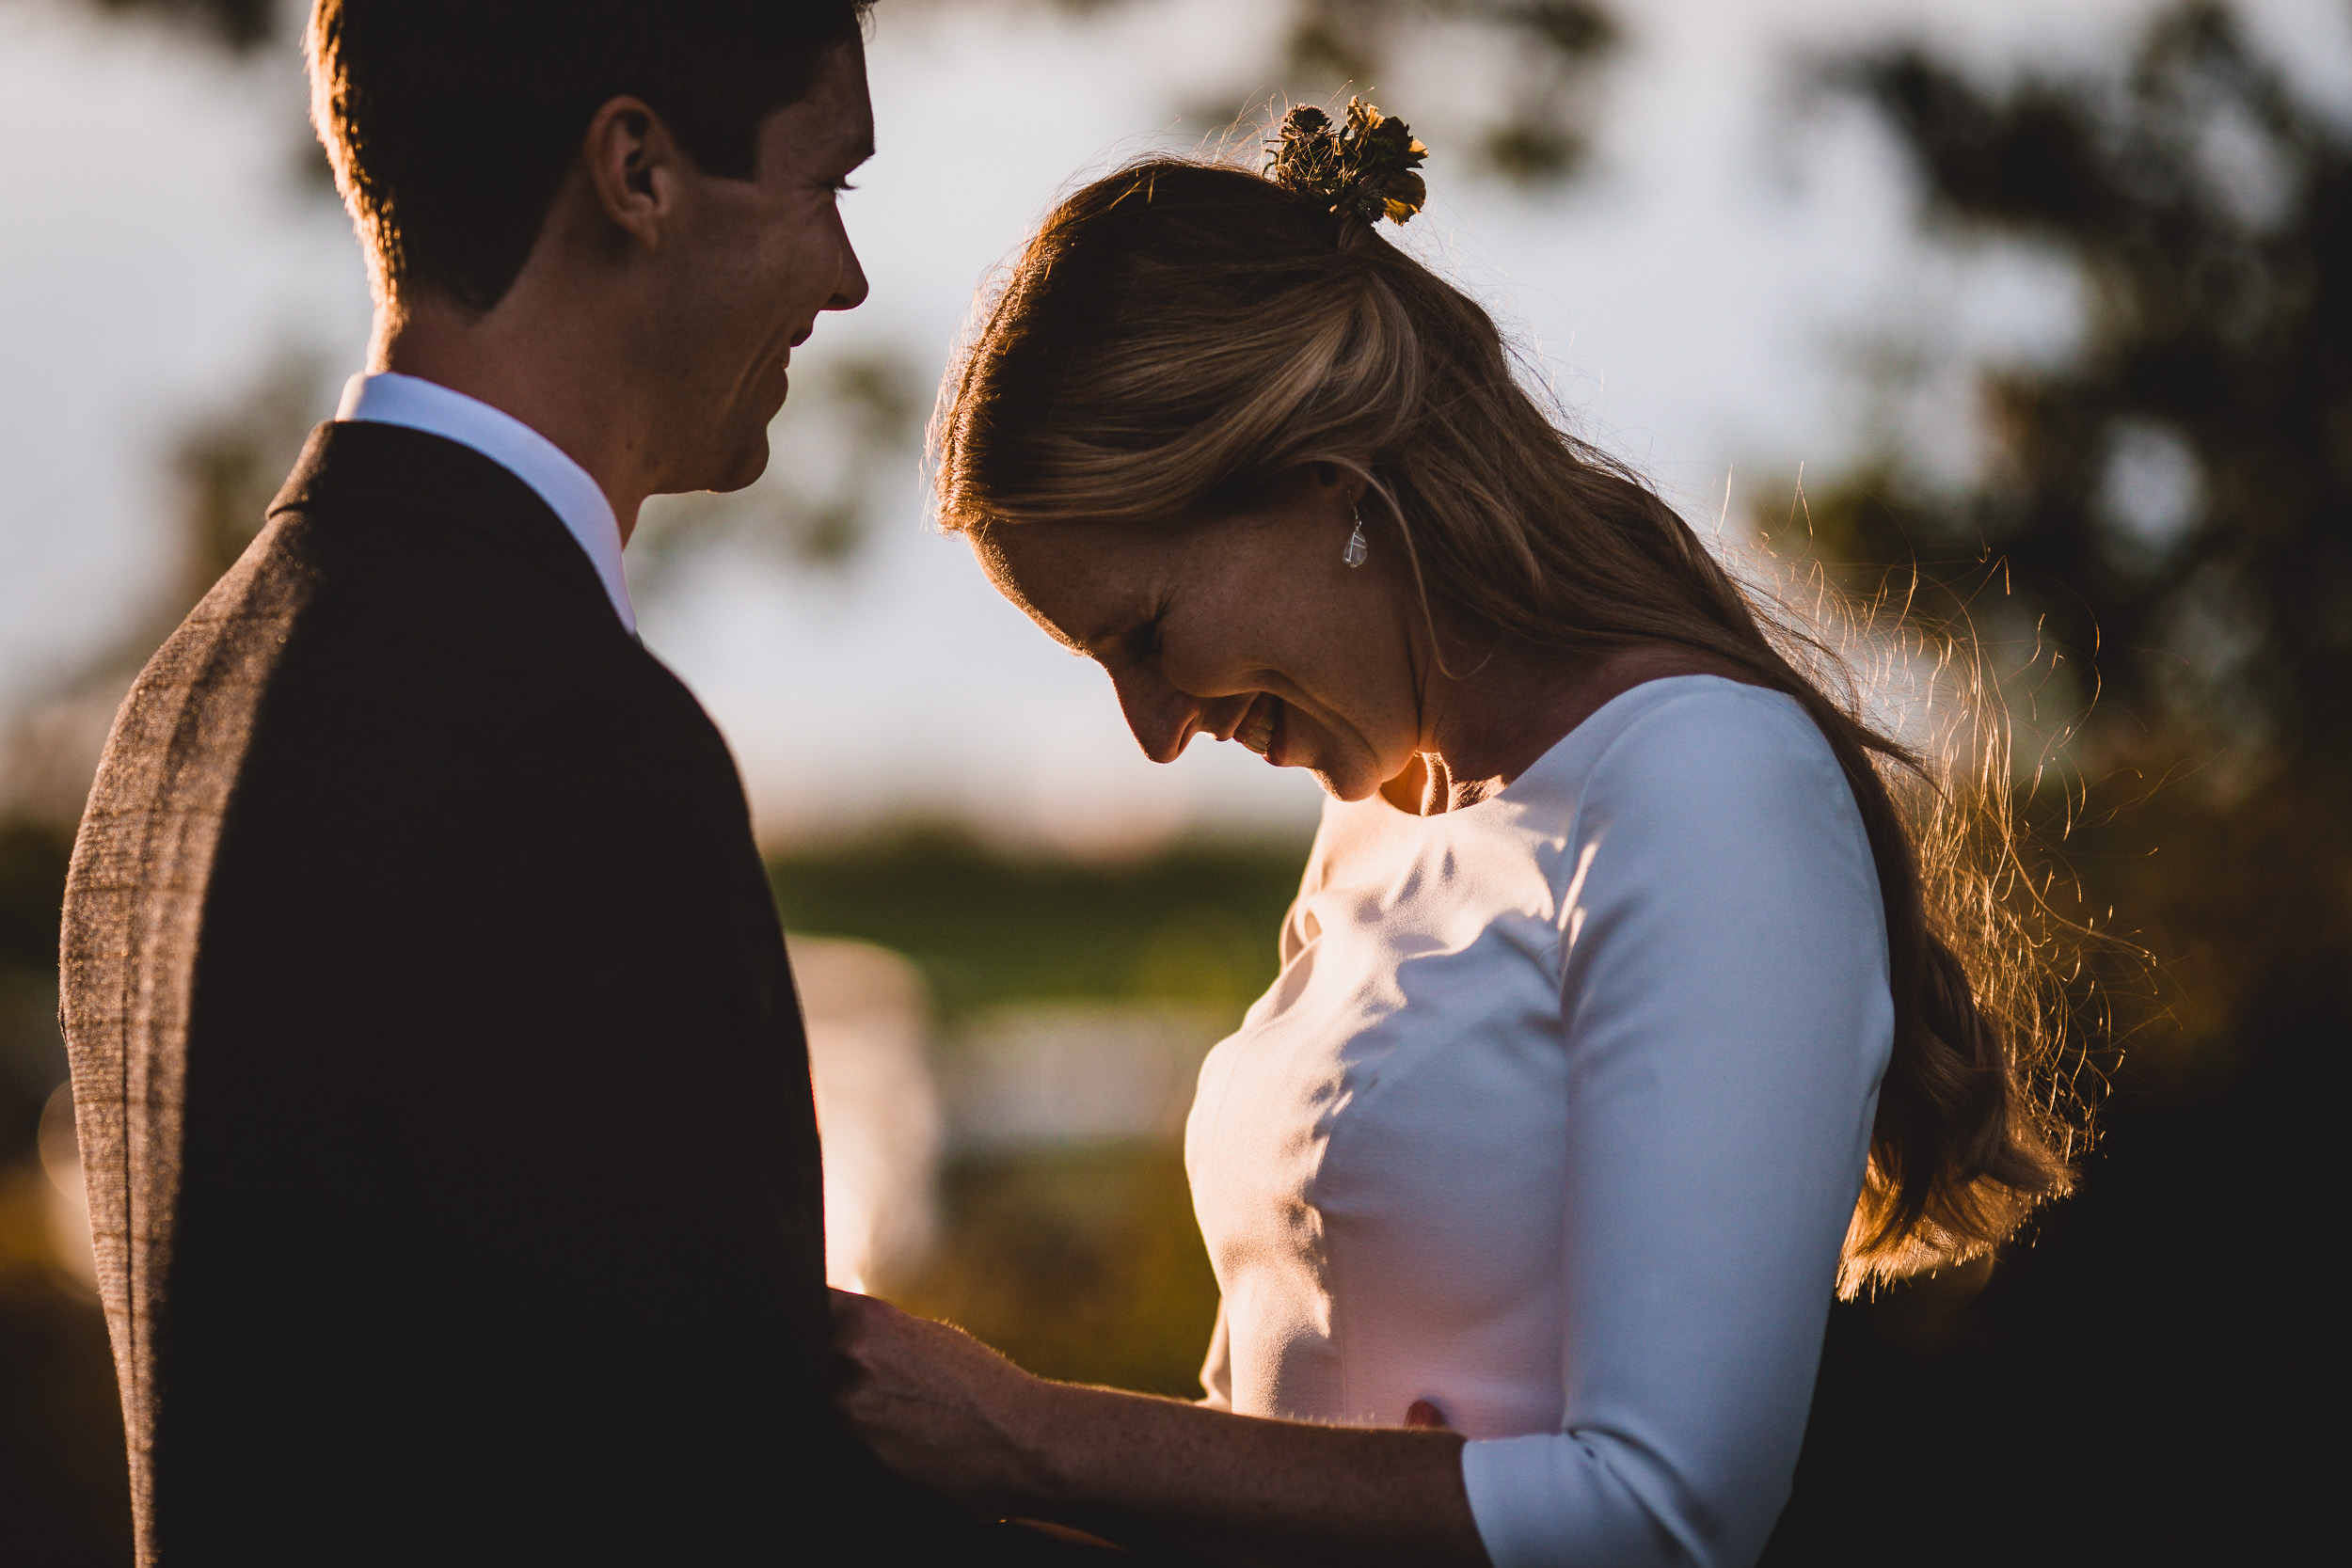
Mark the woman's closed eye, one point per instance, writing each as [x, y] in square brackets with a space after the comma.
[1146, 640]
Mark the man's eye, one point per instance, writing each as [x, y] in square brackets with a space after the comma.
[841, 185]
[1145, 640]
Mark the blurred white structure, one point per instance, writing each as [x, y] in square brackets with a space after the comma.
[69, 1201]
[877, 1109]
[1057, 1072]
[1022, 1076]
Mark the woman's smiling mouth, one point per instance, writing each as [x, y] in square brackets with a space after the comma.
[1261, 727]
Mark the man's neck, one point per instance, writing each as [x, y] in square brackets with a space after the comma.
[549, 374]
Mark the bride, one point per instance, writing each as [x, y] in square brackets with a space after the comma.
[1625, 1013]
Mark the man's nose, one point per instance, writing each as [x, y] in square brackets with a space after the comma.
[1162, 718]
[850, 291]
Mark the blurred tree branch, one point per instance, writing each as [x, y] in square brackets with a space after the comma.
[2173, 504]
[1551, 47]
[2179, 497]
[1530, 128]
[837, 444]
[1533, 128]
[236, 25]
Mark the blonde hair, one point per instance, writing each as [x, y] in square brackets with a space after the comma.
[1179, 334]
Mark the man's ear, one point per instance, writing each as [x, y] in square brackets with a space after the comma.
[634, 165]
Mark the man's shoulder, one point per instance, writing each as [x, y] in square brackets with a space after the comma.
[434, 572]
[399, 513]
[381, 633]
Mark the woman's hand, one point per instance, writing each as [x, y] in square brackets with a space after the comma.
[937, 1405]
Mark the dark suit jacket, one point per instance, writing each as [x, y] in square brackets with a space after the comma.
[443, 1095]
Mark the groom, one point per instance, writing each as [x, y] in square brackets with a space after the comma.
[442, 1090]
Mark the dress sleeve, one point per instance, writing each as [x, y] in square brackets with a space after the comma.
[1727, 1020]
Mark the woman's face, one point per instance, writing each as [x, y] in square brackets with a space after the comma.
[1242, 627]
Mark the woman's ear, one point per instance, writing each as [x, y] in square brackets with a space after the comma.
[1344, 484]
[1350, 485]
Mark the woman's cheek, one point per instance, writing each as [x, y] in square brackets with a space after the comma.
[1182, 667]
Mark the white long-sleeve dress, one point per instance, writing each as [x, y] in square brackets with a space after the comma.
[1556, 1117]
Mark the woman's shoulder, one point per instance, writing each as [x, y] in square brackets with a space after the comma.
[1691, 772]
[1694, 730]
[1695, 763]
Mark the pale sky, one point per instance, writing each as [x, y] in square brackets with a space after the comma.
[1698, 297]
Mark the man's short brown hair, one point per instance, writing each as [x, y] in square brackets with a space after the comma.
[450, 122]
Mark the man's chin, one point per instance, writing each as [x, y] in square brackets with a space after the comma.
[745, 468]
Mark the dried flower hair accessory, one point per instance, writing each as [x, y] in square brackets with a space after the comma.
[1363, 169]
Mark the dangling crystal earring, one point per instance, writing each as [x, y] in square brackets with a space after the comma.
[1355, 553]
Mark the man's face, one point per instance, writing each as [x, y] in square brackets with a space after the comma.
[755, 263]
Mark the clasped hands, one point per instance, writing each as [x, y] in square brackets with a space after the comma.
[943, 1409]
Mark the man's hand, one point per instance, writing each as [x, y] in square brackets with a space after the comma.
[938, 1406]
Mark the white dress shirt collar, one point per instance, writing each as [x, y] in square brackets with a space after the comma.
[388, 398]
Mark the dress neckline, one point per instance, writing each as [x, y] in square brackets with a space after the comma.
[1551, 752]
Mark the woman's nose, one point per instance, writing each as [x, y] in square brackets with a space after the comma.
[1162, 718]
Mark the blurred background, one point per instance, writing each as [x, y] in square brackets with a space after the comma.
[2040, 313]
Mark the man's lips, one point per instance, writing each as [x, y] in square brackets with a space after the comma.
[784, 360]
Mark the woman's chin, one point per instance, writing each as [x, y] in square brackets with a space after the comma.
[1291, 744]
[1345, 785]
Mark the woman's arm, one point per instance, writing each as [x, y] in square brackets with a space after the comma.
[940, 1407]
[1726, 1015]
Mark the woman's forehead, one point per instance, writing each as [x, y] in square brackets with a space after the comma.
[1062, 557]
[1069, 579]
[1081, 581]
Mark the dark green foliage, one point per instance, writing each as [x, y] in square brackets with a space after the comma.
[238, 24]
[837, 446]
[2136, 1385]
[1533, 133]
[63, 1493]
[64, 1483]
[1525, 151]
[1083, 1264]
[2211, 213]
[1573, 27]
[33, 858]
[1532, 125]
[1196, 923]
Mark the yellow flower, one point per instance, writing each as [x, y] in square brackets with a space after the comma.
[1404, 195]
[1365, 168]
